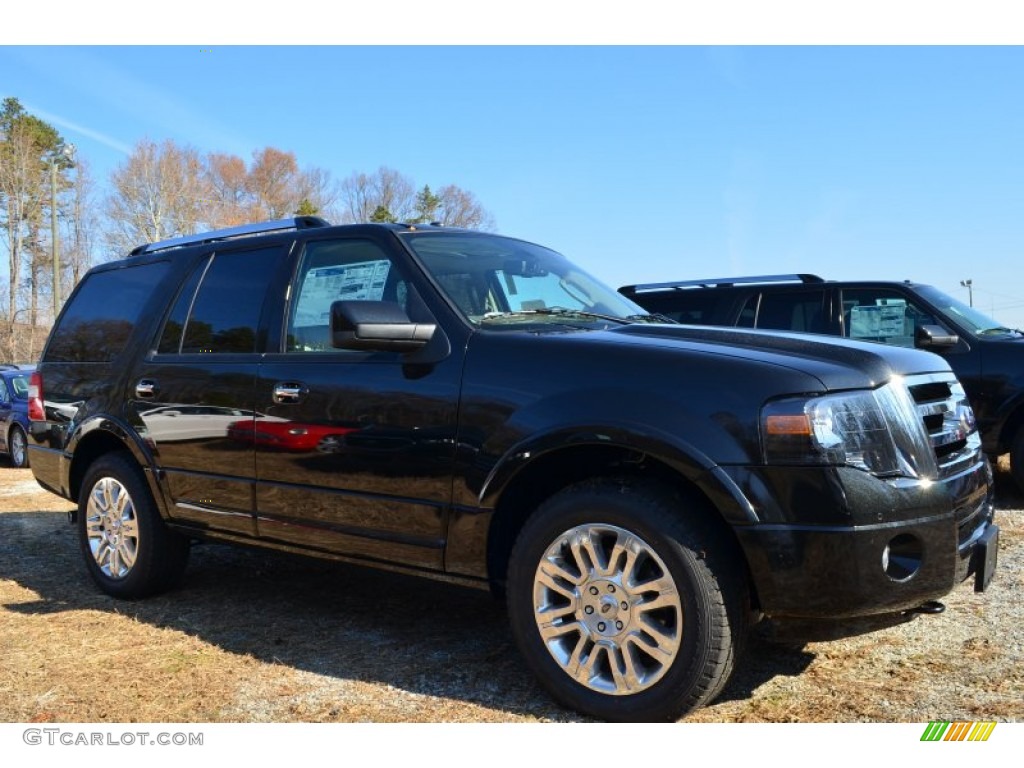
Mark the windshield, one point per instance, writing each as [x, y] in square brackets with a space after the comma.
[968, 317]
[501, 282]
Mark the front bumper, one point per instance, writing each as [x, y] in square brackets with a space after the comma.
[839, 543]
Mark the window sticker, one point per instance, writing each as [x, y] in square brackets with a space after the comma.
[363, 281]
[885, 321]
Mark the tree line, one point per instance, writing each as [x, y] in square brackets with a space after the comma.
[164, 189]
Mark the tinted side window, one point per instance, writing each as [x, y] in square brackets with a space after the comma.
[883, 315]
[170, 339]
[748, 314]
[793, 311]
[98, 322]
[695, 306]
[4, 397]
[223, 314]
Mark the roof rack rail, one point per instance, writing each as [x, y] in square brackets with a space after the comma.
[724, 282]
[263, 227]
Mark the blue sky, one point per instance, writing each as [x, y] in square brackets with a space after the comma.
[641, 163]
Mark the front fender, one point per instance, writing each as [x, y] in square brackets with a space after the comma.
[678, 454]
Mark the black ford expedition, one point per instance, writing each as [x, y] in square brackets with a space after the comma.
[987, 358]
[461, 404]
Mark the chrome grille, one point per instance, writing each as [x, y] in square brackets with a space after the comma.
[948, 419]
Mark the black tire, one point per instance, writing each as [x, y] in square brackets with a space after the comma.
[698, 581]
[128, 550]
[17, 447]
[1017, 459]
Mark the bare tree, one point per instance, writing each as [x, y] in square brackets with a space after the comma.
[160, 191]
[228, 181]
[27, 147]
[81, 226]
[20, 187]
[273, 184]
[320, 192]
[395, 192]
[357, 198]
[387, 195]
[460, 208]
[273, 187]
[384, 195]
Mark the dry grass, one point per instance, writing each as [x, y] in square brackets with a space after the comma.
[258, 637]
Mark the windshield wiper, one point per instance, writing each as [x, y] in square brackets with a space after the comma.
[559, 312]
[652, 317]
[999, 329]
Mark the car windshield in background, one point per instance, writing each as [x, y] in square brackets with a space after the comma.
[501, 282]
[961, 314]
[19, 386]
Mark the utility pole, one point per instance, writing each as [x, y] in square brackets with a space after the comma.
[54, 242]
[68, 152]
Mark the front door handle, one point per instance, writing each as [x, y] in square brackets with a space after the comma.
[145, 389]
[289, 392]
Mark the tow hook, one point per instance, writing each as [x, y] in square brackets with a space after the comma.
[932, 607]
[72, 516]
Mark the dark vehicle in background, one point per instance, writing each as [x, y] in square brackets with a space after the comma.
[987, 357]
[487, 412]
[14, 413]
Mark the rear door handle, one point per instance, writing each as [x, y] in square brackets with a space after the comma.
[289, 392]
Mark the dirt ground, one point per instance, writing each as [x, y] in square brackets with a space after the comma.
[259, 637]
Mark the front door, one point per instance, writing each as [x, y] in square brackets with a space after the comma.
[354, 450]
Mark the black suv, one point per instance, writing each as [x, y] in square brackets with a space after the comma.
[987, 358]
[465, 405]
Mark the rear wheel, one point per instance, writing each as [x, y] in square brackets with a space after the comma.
[18, 446]
[128, 550]
[625, 601]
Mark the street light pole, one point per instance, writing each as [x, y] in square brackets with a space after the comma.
[969, 285]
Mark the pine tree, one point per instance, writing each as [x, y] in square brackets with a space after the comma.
[427, 205]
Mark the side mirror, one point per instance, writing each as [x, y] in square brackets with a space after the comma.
[934, 337]
[380, 326]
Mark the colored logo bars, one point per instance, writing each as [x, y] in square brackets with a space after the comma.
[944, 730]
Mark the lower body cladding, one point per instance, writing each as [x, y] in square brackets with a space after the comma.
[838, 543]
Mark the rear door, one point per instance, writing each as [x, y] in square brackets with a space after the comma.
[195, 389]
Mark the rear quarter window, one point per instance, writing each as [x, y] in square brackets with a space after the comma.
[102, 313]
[695, 306]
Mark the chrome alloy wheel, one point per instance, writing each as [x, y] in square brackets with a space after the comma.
[112, 528]
[607, 609]
[18, 447]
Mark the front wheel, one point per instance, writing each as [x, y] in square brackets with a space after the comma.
[1017, 459]
[625, 601]
[18, 446]
[128, 550]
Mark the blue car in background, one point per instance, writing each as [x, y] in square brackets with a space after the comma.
[14, 413]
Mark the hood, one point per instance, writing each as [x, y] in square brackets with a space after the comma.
[837, 363]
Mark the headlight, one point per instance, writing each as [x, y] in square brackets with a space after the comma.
[877, 431]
